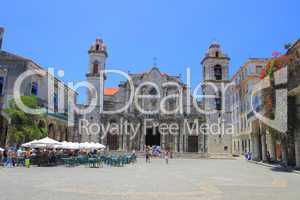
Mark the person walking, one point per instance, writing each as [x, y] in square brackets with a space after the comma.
[9, 162]
[147, 156]
[1, 156]
[27, 158]
[167, 157]
[4, 157]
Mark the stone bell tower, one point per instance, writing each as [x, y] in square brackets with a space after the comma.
[215, 75]
[97, 59]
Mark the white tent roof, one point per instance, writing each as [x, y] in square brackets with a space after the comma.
[48, 142]
[1, 149]
[28, 144]
[91, 145]
[100, 146]
[45, 142]
[69, 145]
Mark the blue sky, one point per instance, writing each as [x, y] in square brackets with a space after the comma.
[58, 33]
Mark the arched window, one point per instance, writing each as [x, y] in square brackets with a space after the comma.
[55, 101]
[217, 54]
[96, 67]
[153, 91]
[34, 88]
[218, 72]
[97, 47]
[51, 131]
[219, 101]
[1, 84]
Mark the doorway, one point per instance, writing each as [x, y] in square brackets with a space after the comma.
[152, 137]
[193, 144]
[112, 141]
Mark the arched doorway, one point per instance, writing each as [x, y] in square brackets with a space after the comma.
[51, 131]
[152, 137]
[112, 138]
[112, 141]
[62, 135]
[169, 142]
[193, 143]
[66, 134]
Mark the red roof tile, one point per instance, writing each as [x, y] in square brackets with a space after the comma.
[110, 91]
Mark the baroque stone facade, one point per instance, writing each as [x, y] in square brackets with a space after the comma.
[138, 123]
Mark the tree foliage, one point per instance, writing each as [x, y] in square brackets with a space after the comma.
[23, 126]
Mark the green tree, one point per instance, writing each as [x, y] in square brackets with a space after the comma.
[23, 126]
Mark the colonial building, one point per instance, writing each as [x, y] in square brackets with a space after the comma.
[247, 136]
[142, 116]
[215, 75]
[253, 135]
[11, 67]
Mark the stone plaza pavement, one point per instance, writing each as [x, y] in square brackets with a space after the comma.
[181, 179]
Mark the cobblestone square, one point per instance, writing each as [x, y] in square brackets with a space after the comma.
[181, 179]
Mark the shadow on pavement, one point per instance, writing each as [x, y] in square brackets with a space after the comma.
[282, 169]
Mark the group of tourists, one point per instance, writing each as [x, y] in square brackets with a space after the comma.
[155, 151]
[11, 157]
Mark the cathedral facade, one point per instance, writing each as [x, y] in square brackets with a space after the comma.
[156, 109]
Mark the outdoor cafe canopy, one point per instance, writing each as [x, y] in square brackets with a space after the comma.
[91, 145]
[42, 143]
[50, 143]
[28, 144]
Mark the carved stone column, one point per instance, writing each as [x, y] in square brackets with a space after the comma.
[176, 143]
[142, 138]
[163, 141]
[200, 146]
[186, 142]
[271, 146]
[255, 147]
[124, 135]
[263, 146]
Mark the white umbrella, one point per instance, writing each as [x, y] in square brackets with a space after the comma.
[100, 146]
[71, 145]
[75, 146]
[28, 144]
[62, 145]
[92, 145]
[84, 145]
[1, 149]
[45, 142]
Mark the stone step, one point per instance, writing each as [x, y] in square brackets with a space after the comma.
[220, 156]
[186, 155]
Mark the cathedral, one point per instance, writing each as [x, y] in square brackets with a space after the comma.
[138, 124]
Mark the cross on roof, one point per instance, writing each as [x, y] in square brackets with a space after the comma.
[154, 61]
